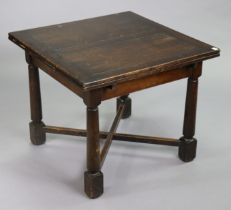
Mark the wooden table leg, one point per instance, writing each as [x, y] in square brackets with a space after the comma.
[128, 105]
[37, 134]
[188, 144]
[93, 177]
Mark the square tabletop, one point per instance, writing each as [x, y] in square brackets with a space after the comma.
[105, 50]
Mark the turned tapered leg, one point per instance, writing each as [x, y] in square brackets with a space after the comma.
[37, 135]
[93, 177]
[187, 148]
[128, 105]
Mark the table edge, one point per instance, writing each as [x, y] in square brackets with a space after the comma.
[123, 77]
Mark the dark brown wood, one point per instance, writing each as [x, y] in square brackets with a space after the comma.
[34, 88]
[187, 149]
[92, 98]
[127, 101]
[93, 184]
[112, 131]
[93, 142]
[106, 50]
[116, 136]
[106, 57]
[190, 106]
[58, 76]
[93, 177]
[146, 82]
[37, 134]
[190, 109]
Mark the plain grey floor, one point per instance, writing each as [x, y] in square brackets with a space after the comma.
[137, 176]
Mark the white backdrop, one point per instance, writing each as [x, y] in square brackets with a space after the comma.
[137, 176]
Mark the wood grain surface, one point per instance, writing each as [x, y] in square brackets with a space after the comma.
[101, 51]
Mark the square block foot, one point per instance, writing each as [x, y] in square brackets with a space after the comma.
[93, 184]
[37, 134]
[187, 149]
[128, 106]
